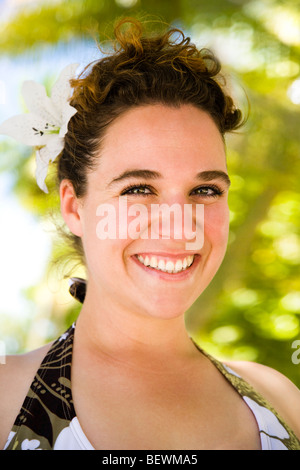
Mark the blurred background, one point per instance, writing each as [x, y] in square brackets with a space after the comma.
[251, 311]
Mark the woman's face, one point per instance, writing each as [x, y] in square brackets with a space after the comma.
[155, 155]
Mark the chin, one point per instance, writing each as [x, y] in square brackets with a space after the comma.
[167, 306]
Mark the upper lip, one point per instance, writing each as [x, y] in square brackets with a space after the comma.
[167, 254]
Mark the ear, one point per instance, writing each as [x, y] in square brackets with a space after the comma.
[69, 206]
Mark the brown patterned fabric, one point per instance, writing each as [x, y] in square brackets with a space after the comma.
[47, 418]
[48, 407]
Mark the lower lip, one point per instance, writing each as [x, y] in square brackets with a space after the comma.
[169, 276]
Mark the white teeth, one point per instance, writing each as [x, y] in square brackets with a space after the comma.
[190, 259]
[161, 265]
[178, 265]
[153, 262]
[168, 266]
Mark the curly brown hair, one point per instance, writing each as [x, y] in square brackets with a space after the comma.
[165, 68]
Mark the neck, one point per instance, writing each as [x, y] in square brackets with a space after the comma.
[120, 331]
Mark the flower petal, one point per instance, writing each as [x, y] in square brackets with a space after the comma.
[54, 147]
[44, 156]
[61, 90]
[67, 112]
[42, 163]
[39, 103]
[26, 128]
[47, 122]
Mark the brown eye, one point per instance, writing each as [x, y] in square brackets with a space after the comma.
[139, 190]
[208, 191]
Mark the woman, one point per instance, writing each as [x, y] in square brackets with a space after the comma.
[147, 129]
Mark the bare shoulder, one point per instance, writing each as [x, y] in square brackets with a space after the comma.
[16, 376]
[275, 387]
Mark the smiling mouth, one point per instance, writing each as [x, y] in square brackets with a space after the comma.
[165, 265]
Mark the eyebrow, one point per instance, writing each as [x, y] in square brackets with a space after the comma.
[207, 175]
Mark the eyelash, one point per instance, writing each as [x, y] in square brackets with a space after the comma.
[217, 191]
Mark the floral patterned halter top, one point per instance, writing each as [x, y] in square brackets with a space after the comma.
[47, 419]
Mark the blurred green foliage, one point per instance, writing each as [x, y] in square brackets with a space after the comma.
[251, 310]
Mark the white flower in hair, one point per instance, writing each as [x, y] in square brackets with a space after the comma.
[46, 124]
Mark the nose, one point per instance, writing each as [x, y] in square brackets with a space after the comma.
[178, 220]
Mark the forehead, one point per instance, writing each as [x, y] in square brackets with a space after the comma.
[163, 137]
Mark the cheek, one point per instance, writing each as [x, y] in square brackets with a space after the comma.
[216, 224]
[102, 247]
